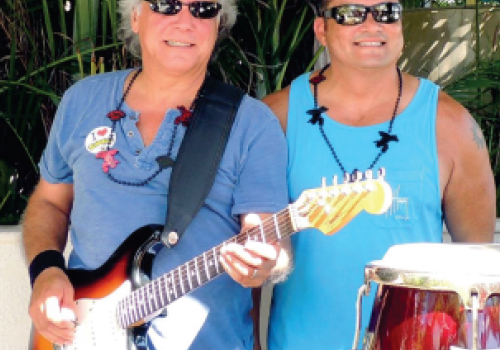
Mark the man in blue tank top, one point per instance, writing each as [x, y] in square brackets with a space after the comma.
[361, 113]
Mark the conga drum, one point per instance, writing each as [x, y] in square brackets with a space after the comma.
[434, 296]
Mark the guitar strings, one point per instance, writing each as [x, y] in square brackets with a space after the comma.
[169, 283]
[170, 279]
[161, 285]
[266, 232]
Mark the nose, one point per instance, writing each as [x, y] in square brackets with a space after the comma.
[184, 17]
[370, 19]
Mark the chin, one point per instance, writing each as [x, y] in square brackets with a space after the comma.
[181, 66]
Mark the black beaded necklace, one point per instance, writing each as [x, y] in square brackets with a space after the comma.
[164, 161]
[385, 137]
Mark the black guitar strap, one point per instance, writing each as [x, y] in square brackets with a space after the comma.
[199, 155]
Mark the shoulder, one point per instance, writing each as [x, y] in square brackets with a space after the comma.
[455, 128]
[453, 119]
[278, 102]
[90, 83]
[256, 134]
[461, 144]
[87, 94]
[254, 118]
[256, 110]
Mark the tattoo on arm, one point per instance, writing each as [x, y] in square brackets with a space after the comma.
[477, 134]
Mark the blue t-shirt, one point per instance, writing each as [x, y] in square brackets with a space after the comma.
[251, 178]
[315, 307]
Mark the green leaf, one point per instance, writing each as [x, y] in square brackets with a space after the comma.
[48, 26]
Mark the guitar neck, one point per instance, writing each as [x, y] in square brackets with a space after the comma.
[157, 294]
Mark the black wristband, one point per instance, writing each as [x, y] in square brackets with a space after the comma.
[44, 260]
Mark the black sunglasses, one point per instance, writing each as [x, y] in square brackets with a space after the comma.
[199, 9]
[354, 14]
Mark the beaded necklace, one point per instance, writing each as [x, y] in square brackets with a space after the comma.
[164, 161]
[385, 137]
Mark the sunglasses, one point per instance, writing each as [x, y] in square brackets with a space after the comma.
[198, 9]
[354, 14]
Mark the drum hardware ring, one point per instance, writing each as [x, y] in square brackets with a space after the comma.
[475, 320]
[363, 290]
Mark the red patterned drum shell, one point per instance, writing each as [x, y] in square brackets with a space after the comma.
[412, 319]
[435, 296]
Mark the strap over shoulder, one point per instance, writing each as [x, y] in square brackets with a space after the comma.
[199, 155]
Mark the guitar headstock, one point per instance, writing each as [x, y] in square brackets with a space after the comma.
[329, 208]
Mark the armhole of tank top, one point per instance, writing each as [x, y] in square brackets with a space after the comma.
[434, 105]
[296, 85]
[292, 121]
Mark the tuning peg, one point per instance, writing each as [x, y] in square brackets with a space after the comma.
[357, 176]
[369, 174]
[324, 192]
[334, 192]
[347, 178]
[381, 173]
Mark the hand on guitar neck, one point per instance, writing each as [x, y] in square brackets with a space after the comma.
[252, 263]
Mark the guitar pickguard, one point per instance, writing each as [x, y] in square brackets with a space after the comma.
[97, 324]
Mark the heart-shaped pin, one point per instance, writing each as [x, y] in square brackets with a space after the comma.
[102, 132]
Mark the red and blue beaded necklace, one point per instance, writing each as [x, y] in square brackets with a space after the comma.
[164, 161]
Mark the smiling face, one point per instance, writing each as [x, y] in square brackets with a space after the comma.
[366, 45]
[176, 44]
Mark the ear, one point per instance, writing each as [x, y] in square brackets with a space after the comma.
[319, 29]
[134, 20]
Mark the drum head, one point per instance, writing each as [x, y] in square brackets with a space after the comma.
[465, 269]
[475, 259]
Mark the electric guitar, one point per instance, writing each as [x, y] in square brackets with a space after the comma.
[117, 299]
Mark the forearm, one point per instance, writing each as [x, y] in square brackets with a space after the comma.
[45, 227]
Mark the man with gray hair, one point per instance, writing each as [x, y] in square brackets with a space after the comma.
[106, 170]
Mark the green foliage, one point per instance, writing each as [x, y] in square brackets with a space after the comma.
[479, 91]
[276, 40]
[40, 55]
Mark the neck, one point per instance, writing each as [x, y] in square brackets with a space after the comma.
[168, 90]
[365, 85]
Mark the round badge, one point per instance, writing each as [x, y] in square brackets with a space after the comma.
[97, 140]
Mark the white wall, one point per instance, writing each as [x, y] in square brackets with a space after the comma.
[14, 291]
[440, 43]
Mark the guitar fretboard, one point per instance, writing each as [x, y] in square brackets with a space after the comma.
[157, 294]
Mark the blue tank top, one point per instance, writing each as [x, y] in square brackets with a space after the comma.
[315, 307]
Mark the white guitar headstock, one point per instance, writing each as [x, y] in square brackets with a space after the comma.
[329, 208]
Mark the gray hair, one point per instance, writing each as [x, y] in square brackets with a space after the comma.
[227, 18]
